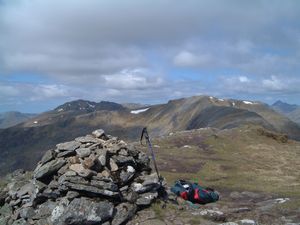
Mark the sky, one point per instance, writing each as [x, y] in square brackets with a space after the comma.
[147, 51]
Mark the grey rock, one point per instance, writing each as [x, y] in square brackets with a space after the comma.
[91, 189]
[27, 212]
[83, 152]
[123, 212]
[3, 196]
[63, 169]
[44, 210]
[26, 189]
[70, 173]
[102, 159]
[15, 202]
[51, 194]
[126, 176]
[72, 194]
[149, 183]
[49, 168]
[73, 179]
[59, 210]
[39, 186]
[146, 199]
[20, 222]
[143, 161]
[4, 220]
[87, 211]
[123, 160]
[53, 184]
[104, 185]
[87, 139]
[66, 154]
[123, 152]
[68, 146]
[98, 133]
[49, 155]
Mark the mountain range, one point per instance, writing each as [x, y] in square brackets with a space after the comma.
[12, 118]
[291, 111]
[23, 145]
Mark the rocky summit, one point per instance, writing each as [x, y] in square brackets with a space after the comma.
[95, 179]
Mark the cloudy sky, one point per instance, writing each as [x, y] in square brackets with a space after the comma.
[147, 51]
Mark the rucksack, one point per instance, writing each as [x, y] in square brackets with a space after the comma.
[193, 192]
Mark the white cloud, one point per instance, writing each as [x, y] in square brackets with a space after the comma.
[273, 84]
[138, 79]
[189, 59]
[244, 79]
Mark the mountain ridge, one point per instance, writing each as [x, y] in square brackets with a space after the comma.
[23, 145]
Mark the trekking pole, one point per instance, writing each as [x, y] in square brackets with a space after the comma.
[146, 135]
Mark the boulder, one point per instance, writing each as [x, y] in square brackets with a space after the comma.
[83, 152]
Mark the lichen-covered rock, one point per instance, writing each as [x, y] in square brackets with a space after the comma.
[87, 211]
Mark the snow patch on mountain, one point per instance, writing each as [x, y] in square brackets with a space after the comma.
[138, 111]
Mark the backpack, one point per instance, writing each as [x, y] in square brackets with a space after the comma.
[194, 193]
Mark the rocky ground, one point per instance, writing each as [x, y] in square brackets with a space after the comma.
[98, 179]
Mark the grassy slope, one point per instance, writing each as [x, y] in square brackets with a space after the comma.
[236, 159]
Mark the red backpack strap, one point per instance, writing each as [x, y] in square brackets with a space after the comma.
[197, 196]
[184, 195]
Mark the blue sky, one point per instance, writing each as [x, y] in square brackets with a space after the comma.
[142, 51]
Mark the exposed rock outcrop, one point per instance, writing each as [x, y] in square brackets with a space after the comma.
[96, 179]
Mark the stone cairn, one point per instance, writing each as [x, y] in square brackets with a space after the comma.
[95, 179]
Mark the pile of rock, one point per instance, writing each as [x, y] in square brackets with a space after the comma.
[96, 179]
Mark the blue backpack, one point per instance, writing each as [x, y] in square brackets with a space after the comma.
[193, 192]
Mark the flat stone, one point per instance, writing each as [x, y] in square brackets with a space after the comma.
[123, 160]
[68, 146]
[146, 199]
[72, 194]
[27, 189]
[49, 155]
[49, 168]
[104, 185]
[66, 154]
[27, 212]
[123, 213]
[87, 139]
[83, 152]
[87, 211]
[44, 210]
[70, 173]
[72, 179]
[80, 170]
[91, 189]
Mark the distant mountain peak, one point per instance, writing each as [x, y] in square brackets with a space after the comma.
[284, 107]
[88, 106]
